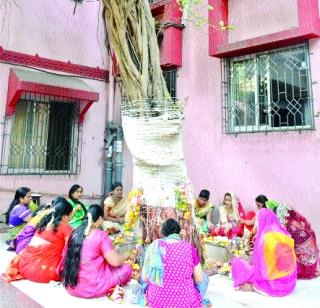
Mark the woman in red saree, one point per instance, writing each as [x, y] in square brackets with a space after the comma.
[232, 216]
[39, 261]
[305, 241]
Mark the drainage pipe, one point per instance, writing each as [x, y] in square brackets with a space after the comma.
[118, 148]
[108, 177]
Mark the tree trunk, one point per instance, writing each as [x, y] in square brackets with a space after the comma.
[151, 122]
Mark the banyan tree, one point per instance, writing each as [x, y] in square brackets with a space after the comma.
[151, 119]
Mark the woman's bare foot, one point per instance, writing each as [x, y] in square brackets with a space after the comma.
[246, 287]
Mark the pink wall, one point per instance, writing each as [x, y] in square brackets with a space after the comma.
[50, 29]
[284, 166]
[253, 18]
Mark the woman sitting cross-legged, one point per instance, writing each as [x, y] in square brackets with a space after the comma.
[273, 270]
[91, 265]
[20, 211]
[172, 269]
[203, 211]
[79, 209]
[39, 261]
[231, 213]
[300, 229]
[24, 237]
[115, 205]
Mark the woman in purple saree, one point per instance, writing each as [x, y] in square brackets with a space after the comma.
[274, 269]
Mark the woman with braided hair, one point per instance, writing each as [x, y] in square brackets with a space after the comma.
[39, 261]
[91, 265]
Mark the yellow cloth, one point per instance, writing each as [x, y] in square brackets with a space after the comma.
[202, 212]
[118, 209]
[273, 242]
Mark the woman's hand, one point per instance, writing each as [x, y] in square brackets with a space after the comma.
[114, 259]
[210, 226]
[227, 227]
[77, 208]
[198, 274]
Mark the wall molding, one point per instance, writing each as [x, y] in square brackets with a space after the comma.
[18, 58]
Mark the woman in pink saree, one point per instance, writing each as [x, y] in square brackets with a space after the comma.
[305, 241]
[274, 268]
[91, 265]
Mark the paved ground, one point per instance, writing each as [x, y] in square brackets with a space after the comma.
[33, 295]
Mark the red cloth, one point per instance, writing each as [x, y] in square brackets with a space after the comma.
[305, 245]
[39, 264]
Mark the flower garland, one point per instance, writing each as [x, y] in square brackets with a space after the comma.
[135, 200]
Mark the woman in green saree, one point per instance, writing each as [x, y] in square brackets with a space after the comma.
[79, 209]
[203, 211]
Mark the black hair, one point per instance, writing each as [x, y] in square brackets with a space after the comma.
[262, 199]
[205, 194]
[170, 226]
[73, 255]
[21, 192]
[115, 185]
[61, 207]
[72, 190]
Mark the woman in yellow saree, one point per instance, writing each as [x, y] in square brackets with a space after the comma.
[115, 206]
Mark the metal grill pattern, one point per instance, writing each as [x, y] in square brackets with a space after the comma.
[42, 137]
[171, 80]
[155, 1]
[170, 77]
[268, 91]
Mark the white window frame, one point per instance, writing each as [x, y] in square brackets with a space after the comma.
[229, 106]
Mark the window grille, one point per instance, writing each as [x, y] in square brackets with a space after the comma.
[42, 137]
[268, 91]
[155, 1]
[170, 77]
[171, 80]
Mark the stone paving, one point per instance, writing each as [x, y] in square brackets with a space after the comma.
[33, 295]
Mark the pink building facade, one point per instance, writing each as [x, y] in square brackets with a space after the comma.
[252, 121]
[253, 114]
[53, 98]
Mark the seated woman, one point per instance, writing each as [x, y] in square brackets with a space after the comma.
[171, 269]
[305, 241]
[115, 206]
[203, 211]
[25, 235]
[39, 261]
[231, 213]
[19, 212]
[79, 210]
[273, 270]
[91, 265]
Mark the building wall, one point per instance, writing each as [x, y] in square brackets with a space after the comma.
[282, 165]
[253, 18]
[51, 30]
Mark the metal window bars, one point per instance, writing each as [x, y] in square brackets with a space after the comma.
[42, 137]
[170, 77]
[268, 91]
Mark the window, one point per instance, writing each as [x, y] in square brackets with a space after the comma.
[268, 91]
[42, 137]
[170, 77]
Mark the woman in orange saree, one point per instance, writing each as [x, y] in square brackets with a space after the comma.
[39, 261]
